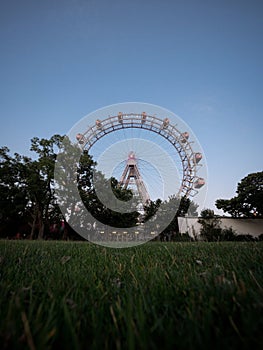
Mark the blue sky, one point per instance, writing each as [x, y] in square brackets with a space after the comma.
[61, 60]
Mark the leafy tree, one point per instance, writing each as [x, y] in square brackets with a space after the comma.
[73, 175]
[173, 208]
[150, 209]
[232, 206]
[180, 207]
[38, 177]
[13, 196]
[77, 183]
[27, 187]
[249, 199]
[106, 210]
[210, 226]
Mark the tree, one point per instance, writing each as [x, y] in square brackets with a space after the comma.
[180, 206]
[31, 195]
[249, 199]
[150, 209]
[87, 198]
[106, 209]
[27, 187]
[12, 194]
[39, 181]
[174, 207]
[210, 226]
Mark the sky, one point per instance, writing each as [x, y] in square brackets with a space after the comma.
[61, 60]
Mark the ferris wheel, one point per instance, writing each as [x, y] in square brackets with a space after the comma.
[124, 131]
[147, 149]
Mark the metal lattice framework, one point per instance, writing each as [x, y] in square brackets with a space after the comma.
[189, 159]
[130, 172]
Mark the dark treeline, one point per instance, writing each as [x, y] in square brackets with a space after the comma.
[30, 205]
[31, 196]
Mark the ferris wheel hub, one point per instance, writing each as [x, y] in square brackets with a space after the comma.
[131, 155]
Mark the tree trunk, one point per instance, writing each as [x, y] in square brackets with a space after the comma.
[41, 225]
[33, 227]
[65, 236]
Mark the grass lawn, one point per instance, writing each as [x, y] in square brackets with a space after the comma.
[73, 295]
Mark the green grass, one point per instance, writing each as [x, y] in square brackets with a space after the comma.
[158, 295]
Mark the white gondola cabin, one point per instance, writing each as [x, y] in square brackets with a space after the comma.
[120, 117]
[166, 122]
[198, 157]
[185, 137]
[199, 182]
[80, 138]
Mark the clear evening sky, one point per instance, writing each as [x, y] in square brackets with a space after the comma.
[203, 60]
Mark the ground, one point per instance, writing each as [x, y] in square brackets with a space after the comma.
[77, 295]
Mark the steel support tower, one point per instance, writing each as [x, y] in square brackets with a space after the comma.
[131, 176]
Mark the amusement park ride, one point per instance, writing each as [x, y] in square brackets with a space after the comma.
[190, 160]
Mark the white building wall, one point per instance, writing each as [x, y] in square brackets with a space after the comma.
[241, 226]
